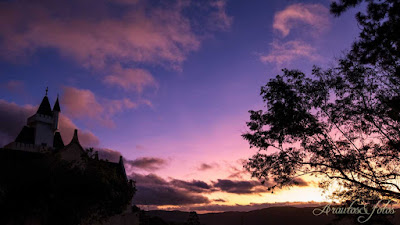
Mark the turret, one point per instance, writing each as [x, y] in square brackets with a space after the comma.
[42, 123]
[56, 114]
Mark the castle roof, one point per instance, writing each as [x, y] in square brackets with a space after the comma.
[26, 136]
[57, 141]
[74, 150]
[57, 106]
[44, 107]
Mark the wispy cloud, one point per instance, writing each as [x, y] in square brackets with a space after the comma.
[287, 52]
[218, 18]
[147, 163]
[14, 86]
[310, 21]
[130, 78]
[314, 15]
[207, 166]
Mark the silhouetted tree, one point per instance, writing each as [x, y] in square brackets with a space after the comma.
[193, 219]
[379, 39]
[341, 124]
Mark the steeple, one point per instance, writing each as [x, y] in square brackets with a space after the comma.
[56, 106]
[44, 108]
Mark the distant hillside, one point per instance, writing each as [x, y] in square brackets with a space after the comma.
[268, 216]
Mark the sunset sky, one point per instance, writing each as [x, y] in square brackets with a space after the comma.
[167, 84]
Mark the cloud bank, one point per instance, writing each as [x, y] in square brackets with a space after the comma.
[114, 39]
[156, 191]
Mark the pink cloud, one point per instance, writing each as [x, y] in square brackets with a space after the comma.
[80, 103]
[219, 19]
[130, 79]
[90, 33]
[14, 86]
[83, 104]
[86, 138]
[315, 15]
[286, 52]
[161, 34]
[118, 105]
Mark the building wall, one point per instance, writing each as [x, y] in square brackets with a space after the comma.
[22, 147]
[44, 134]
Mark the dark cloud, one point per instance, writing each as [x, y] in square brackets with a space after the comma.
[240, 186]
[108, 154]
[300, 182]
[13, 117]
[147, 163]
[206, 166]
[150, 179]
[249, 207]
[250, 187]
[154, 190]
[166, 195]
[193, 186]
[219, 200]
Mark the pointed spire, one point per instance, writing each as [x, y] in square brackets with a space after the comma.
[75, 137]
[44, 107]
[58, 141]
[47, 90]
[57, 106]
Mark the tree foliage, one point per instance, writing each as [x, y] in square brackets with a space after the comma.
[193, 219]
[341, 124]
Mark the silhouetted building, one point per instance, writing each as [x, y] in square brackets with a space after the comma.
[41, 135]
[41, 130]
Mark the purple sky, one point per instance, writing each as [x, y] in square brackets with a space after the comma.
[168, 85]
